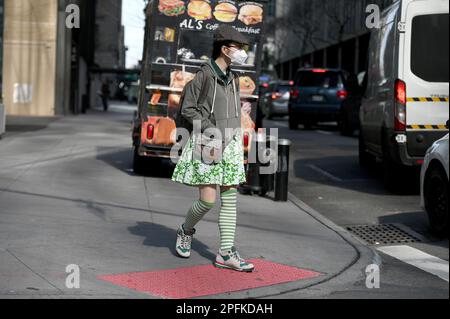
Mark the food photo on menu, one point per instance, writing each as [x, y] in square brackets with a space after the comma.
[251, 14]
[199, 10]
[247, 85]
[172, 8]
[178, 80]
[247, 123]
[225, 12]
[165, 34]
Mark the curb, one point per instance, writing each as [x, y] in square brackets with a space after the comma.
[342, 232]
[365, 255]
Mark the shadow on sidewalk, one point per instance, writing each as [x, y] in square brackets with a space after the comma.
[122, 159]
[346, 172]
[23, 124]
[160, 236]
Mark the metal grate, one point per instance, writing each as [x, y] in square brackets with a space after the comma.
[384, 234]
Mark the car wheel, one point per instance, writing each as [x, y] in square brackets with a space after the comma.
[436, 201]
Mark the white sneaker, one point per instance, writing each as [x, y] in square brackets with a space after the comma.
[184, 242]
[231, 259]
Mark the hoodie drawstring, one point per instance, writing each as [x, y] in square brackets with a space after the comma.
[235, 98]
[215, 94]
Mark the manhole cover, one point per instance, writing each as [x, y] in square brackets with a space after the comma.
[385, 234]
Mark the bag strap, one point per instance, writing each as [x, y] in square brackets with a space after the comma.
[202, 95]
[204, 91]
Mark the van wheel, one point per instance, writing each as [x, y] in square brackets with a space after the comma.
[365, 159]
[138, 162]
[393, 174]
[436, 201]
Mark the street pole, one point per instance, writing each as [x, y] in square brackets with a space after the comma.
[282, 175]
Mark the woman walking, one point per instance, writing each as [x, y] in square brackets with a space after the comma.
[213, 98]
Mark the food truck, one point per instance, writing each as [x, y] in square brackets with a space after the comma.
[178, 40]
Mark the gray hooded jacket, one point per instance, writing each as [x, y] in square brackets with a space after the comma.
[222, 106]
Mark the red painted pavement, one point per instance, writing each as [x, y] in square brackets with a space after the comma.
[207, 280]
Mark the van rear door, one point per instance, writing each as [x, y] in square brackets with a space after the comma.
[425, 70]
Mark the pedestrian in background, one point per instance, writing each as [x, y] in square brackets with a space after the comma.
[105, 93]
[219, 101]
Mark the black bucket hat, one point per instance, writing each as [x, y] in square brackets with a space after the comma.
[226, 33]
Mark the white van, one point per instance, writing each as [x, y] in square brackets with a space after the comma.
[405, 108]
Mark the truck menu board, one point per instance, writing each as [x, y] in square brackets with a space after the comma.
[179, 39]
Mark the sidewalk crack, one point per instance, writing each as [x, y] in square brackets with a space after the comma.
[34, 272]
[148, 200]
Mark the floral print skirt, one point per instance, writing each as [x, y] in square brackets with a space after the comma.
[230, 171]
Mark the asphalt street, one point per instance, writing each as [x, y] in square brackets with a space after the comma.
[326, 175]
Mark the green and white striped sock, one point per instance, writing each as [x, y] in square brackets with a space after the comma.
[227, 219]
[196, 213]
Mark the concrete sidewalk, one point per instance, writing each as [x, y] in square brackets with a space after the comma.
[68, 196]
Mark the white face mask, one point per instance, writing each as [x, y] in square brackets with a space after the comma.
[239, 57]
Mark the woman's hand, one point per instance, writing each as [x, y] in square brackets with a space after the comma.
[213, 154]
[208, 150]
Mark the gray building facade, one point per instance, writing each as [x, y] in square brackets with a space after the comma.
[47, 66]
[110, 50]
[322, 33]
[109, 42]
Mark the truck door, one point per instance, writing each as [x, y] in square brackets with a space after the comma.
[425, 73]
